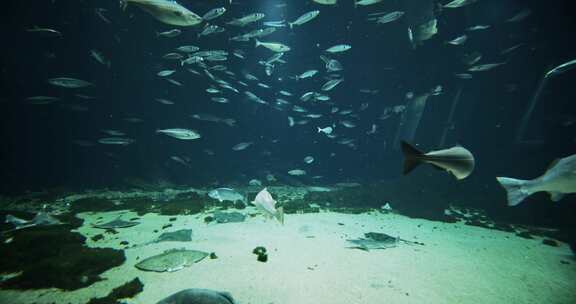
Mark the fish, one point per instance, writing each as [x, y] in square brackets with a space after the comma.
[558, 180]
[187, 48]
[458, 40]
[247, 19]
[166, 73]
[307, 74]
[115, 224]
[169, 34]
[41, 100]
[100, 58]
[458, 3]
[297, 172]
[226, 194]
[348, 124]
[40, 219]
[214, 13]
[308, 159]
[171, 260]
[267, 205]
[366, 2]
[182, 235]
[326, 2]
[327, 130]
[330, 84]
[211, 29]
[456, 160]
[211, 118]
[164, 101]
[307, 17]
[374, 240]
[562, 68]
[477, 27]
[242, 146]
[122, 141]
[228, 217]
[273, 46]
[338, 48]
[184, 134]
[521, 15]
[69, 83]
[332, 65]
[165, 11]
[484, 67]
[113, 132]
[387, 18]
[255, 183]
[198, 296]
[44, 30]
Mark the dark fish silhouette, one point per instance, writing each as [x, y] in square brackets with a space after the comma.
[456, 160]
[198, 296]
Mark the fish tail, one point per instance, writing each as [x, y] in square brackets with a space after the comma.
[319, 129]
[411, 157]
[291, 25]
[257, 42]
[280, 215]
[515, 189]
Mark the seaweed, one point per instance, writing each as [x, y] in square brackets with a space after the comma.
[54, 257]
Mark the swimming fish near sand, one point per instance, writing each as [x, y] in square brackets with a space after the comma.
[558, 180]
[267, 205]
[456, 160]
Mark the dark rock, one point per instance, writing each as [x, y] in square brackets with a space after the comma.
[97, 237]
[172, 219]
[259, 250]
[262, 258]
[124, 243]
[565, 262]
[193, 203]
[54, 257]
[213, 255]
[135, 219]
[550, 242]
[229, 217]
[239, 205]
[127, 290]
[166, 226]
[111, 231]
[208, 219]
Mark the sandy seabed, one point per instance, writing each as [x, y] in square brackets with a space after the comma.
[310, 262]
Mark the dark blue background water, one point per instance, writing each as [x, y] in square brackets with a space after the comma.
[37, 141]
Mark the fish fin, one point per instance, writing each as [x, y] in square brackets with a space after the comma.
[258, 43]
[515, 189]
[556, 196]
[552, 164]
[411, 155]
[280, 215]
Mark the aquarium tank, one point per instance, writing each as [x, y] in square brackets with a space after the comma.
[288, 152]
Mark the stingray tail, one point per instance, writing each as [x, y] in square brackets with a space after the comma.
[411, 157]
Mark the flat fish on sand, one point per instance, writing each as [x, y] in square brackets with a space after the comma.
[378, 240]
[117, 223]
[198, 296]
[171, 260]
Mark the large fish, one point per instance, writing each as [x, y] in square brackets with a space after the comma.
[456, 160]
[171, 260]
[169, 12]
[267, 205]
[198, 296]
[559, 179]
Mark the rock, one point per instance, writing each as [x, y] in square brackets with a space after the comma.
[127, 290]
[550, 242]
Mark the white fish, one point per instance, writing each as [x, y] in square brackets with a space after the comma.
[478, 27]
[214, 13]
[339, 48]
[326, 130]
[242, 146]
[485, 67]
[366, 2]
[226, 194]
[308, 159]
[307, 74]
[558, 180]
[521, 15]
[273, 46]
[247, 19]
[44, 30]
[255, 183]
[459, 3]
[326, 2]
[100, 58]
[169, 34]
[456, 160]
[297, 172]
[267, 205]
[169, 12]
[458, 40]
[290, 121]
[281, 23]
[562, 68]
[184, 134]
[123, 141]
[348, 124]
[188, 48]
[330, 84]
[387, 18]
[164, 101]
[69, 83]
[305, 18]
[166, 73]
[285, 93]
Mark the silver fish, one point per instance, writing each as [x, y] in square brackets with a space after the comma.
[330, 84]
[69, 83]
[169, 34]
[169, 12]
[307, 17]
[247, 19]
[458, 3]
[184, 134]
[338, 48]
[123, 141]
[558, 180]
[214, 13]
[226, 194]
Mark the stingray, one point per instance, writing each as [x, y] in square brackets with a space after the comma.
[171, 260]
[182, 235]
[377, 240]
[117, 223]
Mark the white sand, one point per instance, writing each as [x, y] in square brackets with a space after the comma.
[309, 263]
